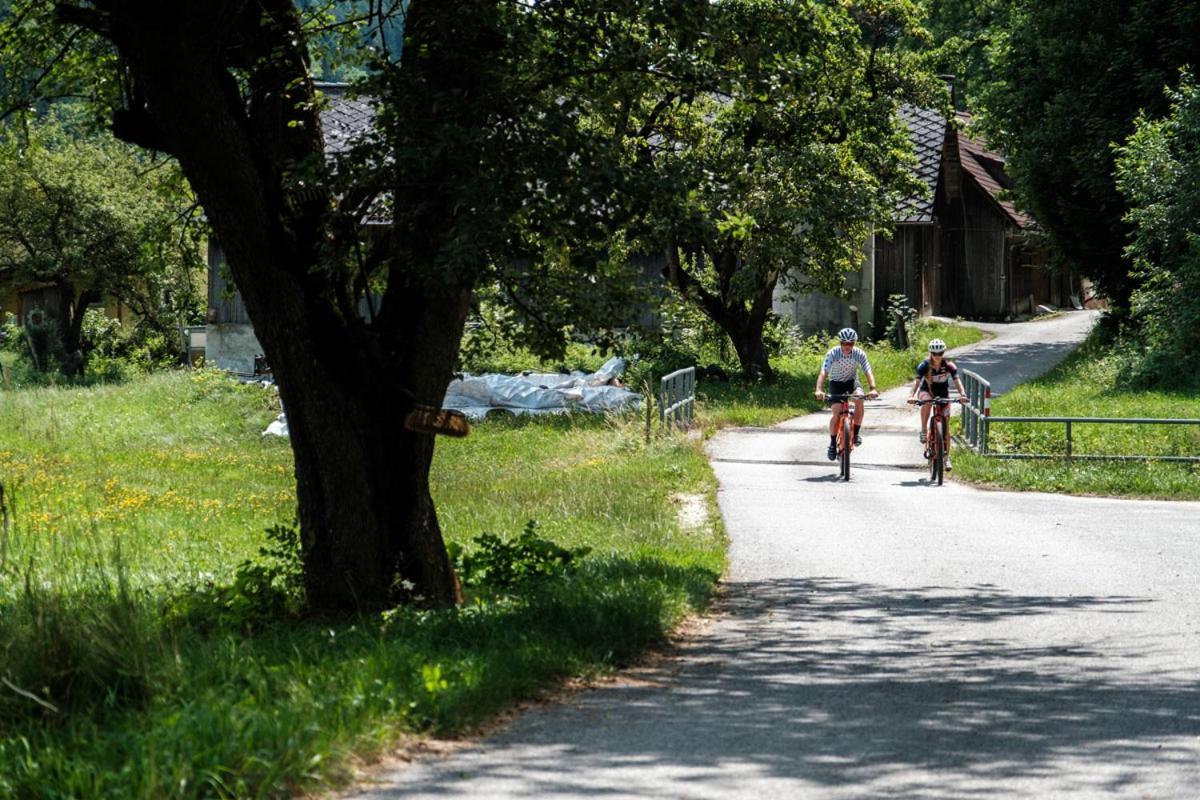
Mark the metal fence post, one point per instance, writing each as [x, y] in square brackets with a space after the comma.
[1068, 438]
[678, 398]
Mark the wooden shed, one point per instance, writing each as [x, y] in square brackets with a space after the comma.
[966, 250]
[961, 249]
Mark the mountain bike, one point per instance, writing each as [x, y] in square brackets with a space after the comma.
[937, 433]
[845, 431]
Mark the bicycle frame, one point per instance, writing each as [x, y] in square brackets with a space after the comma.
[937, 438]
[845, 430]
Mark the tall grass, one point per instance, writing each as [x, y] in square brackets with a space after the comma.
[125, 672]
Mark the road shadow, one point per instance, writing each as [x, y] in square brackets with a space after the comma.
[852, 687]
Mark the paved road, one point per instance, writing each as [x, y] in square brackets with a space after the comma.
[884, 638]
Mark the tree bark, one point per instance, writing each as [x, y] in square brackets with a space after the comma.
[744, 325]
[73, 309]
[368, 524]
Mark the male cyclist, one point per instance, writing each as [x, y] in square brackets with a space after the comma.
[933, 380]
[841, 365]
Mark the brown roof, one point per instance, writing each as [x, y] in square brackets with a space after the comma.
[986, 168]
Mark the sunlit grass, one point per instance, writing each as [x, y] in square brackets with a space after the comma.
[1089, 384]
[130, 503]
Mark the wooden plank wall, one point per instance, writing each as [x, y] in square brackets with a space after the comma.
[976, 257]
[224, 302]
[906, 264]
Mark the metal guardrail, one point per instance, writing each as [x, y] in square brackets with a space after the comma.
[976, 414]
[977, 422]
[677, 399]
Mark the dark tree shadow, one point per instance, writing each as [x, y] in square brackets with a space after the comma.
[868, 690]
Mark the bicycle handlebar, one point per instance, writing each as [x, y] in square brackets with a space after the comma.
[944, 401]
[841, 398]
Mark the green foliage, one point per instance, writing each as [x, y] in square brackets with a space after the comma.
[93, 220]
[115, 352]
[1069, 79]
[1158, 172]
[68, 647]
[783, 153]
[960, 34]
[265, 590]
[899, 316]
[497, 563]
[42, 61]
[39, 340]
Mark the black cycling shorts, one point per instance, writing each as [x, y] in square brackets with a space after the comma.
[839, 387]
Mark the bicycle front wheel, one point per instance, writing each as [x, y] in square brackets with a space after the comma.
[847, 446]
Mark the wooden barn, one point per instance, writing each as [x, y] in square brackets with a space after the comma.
[961, 250]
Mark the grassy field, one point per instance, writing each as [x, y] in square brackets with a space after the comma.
[136, 662]
[128, 668]
[1089, 384]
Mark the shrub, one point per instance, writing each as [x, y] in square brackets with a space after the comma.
[500, 564]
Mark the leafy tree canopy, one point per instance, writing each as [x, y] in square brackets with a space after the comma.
[92, 218]
[1158, 173]
[771, 162]
[1070, 78]
[960, 36]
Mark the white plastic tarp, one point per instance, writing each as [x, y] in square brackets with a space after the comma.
[534, 393]
[541, 393]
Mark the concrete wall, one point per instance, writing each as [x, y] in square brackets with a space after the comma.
[817, 312]
[231, 346]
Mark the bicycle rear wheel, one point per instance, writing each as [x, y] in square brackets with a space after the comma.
[846, 446]
[938, 452]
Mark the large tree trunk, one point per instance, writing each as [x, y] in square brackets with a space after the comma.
[368, 523]
[751, 351]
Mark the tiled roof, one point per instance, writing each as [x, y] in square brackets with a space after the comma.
[987, 170]
[344, 119]
[927, 131]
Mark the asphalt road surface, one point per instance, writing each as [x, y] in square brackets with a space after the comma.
[887, 638]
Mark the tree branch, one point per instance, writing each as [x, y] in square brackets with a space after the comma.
[87, 18]
[29, 90]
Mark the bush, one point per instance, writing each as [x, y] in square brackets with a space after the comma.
[898, 317]
[111, 352]
[265, 589]
[1158, 171]
[499, 564]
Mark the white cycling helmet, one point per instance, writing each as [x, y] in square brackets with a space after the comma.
[848, 335]
[937, 346]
